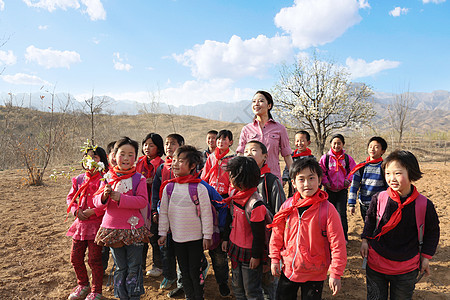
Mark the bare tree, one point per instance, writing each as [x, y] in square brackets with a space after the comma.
[93, 106]
[400, 113]
[317, 95]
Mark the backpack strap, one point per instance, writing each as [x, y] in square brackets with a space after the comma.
[136, 178]
[323, 220]
[421, 209]
[347, 163]
[327, 161]
[381, 206]
[80, 179]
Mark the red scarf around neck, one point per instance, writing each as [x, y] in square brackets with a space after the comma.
[297, 153]
[363, 164]
[214, 171]
[297, 202]
[191, 178]
[241, 197]
[264, 169]
[338, 156]
[397, 215]
[82, 190]
[150, 168]
[116, 176]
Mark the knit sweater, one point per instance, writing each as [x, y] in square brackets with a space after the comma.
[371, 182]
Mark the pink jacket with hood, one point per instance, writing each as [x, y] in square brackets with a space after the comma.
[335, 179]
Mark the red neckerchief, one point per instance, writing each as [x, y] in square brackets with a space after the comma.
[297, 202]
[397, 215]
[264, 169]
[82, 190]
[148, 169]
[241, 197]
[215, 169]
[297, 153]
[182, 179]
[360, 165]
[116, 176]
[337, 157]
[166, 171]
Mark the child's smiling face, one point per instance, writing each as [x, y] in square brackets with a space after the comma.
[181, 165]
[223, 143]
[170, 146]
[306, 182]
[125, 157]
[337, 145]
[211, 140]
[301, 142]
[397, 178]
[374, 150]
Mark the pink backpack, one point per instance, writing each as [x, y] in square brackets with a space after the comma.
[420, 207]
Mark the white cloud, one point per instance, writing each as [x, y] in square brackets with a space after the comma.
[50, 58]
[7, 58]
[433, 1]
[43, 27]
[237, 58]
[396, 12]
[118, 63]
[318, 22]
[21, 78]
[359, 68]
[93, 8]
[2, 5]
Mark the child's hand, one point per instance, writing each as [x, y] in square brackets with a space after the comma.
[347, 183]
[81, 215]
[425, 266]
[364, 248]
[149, 180]
[88, 212]
[254, 262]
[335, 285]
[352, 210]
[225, 246]
[275, 268]
[115, 196]
[206, 244]
[162, 241]
[108, 189]
[155, 218]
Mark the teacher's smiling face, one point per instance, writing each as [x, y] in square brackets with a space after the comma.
[260, 105]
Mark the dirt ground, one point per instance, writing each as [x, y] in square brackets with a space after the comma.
[34, 251]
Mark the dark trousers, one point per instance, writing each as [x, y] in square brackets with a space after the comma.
[399, 286]
[94, 260]
[287, 290]
[363, 208]
[339, 200]
[189, 256]
[219, 261]
[156, 252]
[169, 261]
[105, 257]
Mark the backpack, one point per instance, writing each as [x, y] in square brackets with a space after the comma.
[420, 209]
[193, 193]
[347, 162]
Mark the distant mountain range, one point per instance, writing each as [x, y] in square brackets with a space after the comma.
[430, 107]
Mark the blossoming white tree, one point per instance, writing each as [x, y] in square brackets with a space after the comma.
[318, 96]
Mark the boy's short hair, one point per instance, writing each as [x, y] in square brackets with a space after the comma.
[224, 133]
[177, 137]
[261, 145]
[305, 163]
[379, 140]
[110, 147]
[407, 160]
[244, 172]
[157, 140]
[126, 141]
[212, 132]
[304, 132]
[191, 154]
[339, 136]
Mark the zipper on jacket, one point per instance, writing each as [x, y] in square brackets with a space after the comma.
[297, 242]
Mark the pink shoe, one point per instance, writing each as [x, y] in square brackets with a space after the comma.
[94, 296]
[79, 292]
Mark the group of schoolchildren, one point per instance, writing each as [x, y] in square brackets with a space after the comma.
[234, 207]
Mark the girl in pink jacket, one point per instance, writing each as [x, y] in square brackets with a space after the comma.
[304, 233]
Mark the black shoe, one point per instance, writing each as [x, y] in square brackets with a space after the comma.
[175, 292]
[224, 290]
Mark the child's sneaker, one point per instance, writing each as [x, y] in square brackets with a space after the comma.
[79, 292]
[167, 283]
[94, 296]
[154, 272]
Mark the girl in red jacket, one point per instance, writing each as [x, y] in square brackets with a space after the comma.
[305, 230]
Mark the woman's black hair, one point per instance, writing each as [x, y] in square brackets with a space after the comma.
[339, 136]
[407, 160]
[269, 99]
[103, 157]
[261, 145]
[191, 154]
[126, 141]
[305, 163]
[157, 140]
[244, 172]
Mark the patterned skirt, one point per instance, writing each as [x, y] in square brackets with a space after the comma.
[119, 237]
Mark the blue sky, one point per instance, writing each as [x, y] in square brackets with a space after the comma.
[196, 51]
